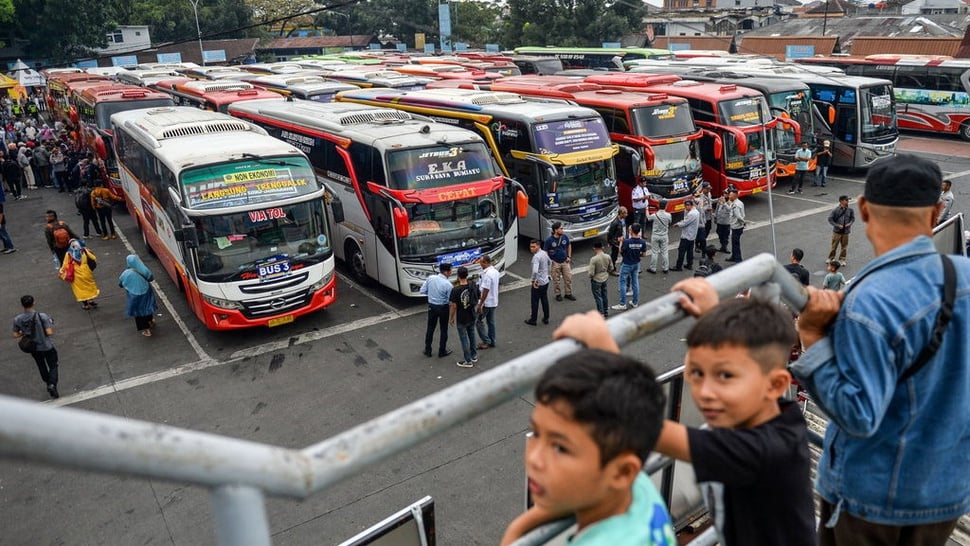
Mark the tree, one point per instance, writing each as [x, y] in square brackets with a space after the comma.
[174, 20]
[477, 23]
[62, 30]
[571, 22]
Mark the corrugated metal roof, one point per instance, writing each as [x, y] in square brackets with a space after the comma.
[871, 45]
[776, 45]
[720, 43]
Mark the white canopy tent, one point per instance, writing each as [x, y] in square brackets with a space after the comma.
[26, 76]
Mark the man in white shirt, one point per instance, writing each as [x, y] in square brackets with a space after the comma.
[488, 285]
[737, 224]
[946, 197]
[639, 197]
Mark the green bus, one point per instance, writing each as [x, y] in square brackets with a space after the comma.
[596, 58]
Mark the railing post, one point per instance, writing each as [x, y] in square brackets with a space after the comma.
[674, 400]
[240, 516]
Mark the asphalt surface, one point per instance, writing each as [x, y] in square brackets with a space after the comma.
[298, 384]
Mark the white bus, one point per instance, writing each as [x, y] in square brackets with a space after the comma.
[236, 217]
[413, 193]
[304, 87]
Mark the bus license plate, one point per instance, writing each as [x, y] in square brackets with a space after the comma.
[591, 232]
[285, 319]
[759, 189]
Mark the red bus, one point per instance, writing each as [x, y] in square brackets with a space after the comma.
[215, 95]
[60, 87]
[96, 104]
[445, 72]
[656, 133]
[738, 115]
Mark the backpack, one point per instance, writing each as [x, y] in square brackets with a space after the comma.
[82, 198]
[703, 270]
[62, 237]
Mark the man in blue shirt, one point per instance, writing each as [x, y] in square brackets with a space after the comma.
[560, 251]
[633, 248]
[438, 289]
[896, 455]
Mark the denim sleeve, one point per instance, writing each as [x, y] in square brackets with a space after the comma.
[851, 375]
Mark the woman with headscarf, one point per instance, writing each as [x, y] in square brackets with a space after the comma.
[76, 269]
[141, 304]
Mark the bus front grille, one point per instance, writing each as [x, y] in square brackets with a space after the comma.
[276, 284]
[277, 305]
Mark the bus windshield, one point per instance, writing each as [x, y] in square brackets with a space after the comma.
[754, 160]
[571, 135]
[104, 110]
[675, 159]
[798, 105]
[263, 243]
[662, 121]
[249, 182]
[878, 113]
[451, 226]
[743, 112]
[439, 166]
[582, 184]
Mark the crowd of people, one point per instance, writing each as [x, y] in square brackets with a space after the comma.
[37, 157]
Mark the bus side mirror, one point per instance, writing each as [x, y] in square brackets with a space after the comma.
[831, 115]
[521, 204]
[402, 226]
[186, 234]
[742, 142]
[337, 209]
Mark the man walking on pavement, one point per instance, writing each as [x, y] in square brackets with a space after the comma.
[841, 220]
[38, 327]
[560, 251]
[487, 303]
[540, 283]
[688, 233]
[599, 273]
[737, 224]
[946, 197]
[58, 235]
[633, 249]
[12, 174]
[438, 289]
[660, 221]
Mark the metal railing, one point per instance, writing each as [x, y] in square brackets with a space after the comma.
[239, 473]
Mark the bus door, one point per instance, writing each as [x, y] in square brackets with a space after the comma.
[528, 174]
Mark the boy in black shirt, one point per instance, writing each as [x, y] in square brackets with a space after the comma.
[753, 462]
[462, 309]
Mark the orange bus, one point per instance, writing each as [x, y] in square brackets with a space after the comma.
[215, 95]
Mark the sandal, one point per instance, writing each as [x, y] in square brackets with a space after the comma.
[146, 333]
[86, 307]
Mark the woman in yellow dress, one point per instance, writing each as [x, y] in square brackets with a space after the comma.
[79, 258]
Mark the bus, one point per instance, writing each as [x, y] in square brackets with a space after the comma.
[95, 105]
[787, 98]
[212, 95]
[303, 87]
[214, 73]
[414, 193]
[272, 68]
[445, 72]
[859, 112]
[145, 78]
[656, 134]
[733, 151]
[561, 153]
[379, 77]
[236, 217]
[595, 58]
[932, 92]
[60, 87]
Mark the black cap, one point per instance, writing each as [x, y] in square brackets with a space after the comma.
[904, 180]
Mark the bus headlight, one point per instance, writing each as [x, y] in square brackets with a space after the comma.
[221, 303]
[322, 282]
[418, 273]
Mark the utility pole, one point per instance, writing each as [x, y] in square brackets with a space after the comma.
[195, 8]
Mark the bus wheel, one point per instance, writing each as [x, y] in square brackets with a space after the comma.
[354, 257]
[965, 131]
[144, 239]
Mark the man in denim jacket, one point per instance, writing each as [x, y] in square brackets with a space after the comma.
[896, 459]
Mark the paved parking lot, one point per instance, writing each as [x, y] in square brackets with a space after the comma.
[300, 383]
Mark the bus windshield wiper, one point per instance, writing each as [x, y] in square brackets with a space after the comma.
[262, 159]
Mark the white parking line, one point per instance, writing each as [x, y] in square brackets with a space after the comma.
[199, 351]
